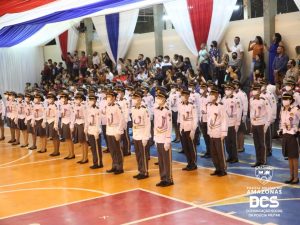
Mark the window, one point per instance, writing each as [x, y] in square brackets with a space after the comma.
[257, 8]
[238, 12]
[145, 22]
[286, 6]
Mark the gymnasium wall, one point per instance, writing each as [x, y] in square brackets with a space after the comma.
[286, 24]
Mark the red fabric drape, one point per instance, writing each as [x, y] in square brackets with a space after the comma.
[16, 6]
[63, 40]
[200, 14]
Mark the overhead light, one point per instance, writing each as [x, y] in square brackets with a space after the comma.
[165, 17]
[236, 7]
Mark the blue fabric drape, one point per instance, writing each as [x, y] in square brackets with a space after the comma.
[29, 28]
[112, 27]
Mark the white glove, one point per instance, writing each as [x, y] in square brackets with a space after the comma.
[192, 135]
[118, 137]
[236, 128]
[144, 142]
[167, 146]
[16, 120]
[265, 128]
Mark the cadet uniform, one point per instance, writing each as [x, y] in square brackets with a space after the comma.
[141, 128]
[188, 120]
[93, 130]
[114, 130]
[2, 116]
[174, 99]
[162, 138]
[272, 102]
[244, 106]
[217, 128]
[289, 129]
[233, 109]
[11, 110]
[28, 118]
[52, 118]
[149, 103]
[261, 116]
[203, 101]
[124, 104]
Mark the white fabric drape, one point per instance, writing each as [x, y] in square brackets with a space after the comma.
[15, 18]
[18, 66]
[47, 33]
[126, 29]
[178, 13]
[222, 11]
[73, 35]
[297, 2]
[100, 25]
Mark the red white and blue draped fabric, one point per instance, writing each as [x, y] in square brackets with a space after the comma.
[116, 31]
[17, 27]
[199, 21]
[68, 41]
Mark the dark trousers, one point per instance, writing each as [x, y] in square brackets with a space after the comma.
[116, 152]
[152, 132]
[125, 142]
[141, 157]
[164, 163]
[96, 150]
[104, 135]
[189, 148]
[204, 67]
[218, 154]
[259, 143]
[230, 143]
[203, 127]
[268, 139]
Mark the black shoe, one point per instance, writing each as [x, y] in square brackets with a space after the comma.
[234, 161]
[118, 172]
[269, 154]
[289, 181]
[24, 146]
[156, 164]
[3, 138]
[111, 170]
[40, 151]
[221, 174]
[142, 176]
[191, 168]
[95, 167]
[167, 183]
[215, 173]
[84, 162]
[15, 143]
[241, 150]
[54, 154]
[68, 158]
[295, 182]
[185, 168]
[160, 184]
[136, 176]
[255, 165]
[32, 148]
[11, 141]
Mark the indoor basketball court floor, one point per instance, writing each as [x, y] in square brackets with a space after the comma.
[37, 189]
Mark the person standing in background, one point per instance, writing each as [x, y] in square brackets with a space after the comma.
[203, 61]
[257, 48]
[83, 63]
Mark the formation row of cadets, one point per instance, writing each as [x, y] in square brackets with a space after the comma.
[221, 121]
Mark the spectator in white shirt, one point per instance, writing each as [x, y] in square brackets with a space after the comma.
[237, 47]
[96, 59]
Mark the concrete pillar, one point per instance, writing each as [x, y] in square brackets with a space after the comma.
[247, 9]
[270, 11]
[158, 12]
[88, 23]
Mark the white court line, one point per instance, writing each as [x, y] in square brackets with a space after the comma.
[201, 207]
[74, 176]
[55, 188]
[23, 157]
[159, 215]
[68, 203]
